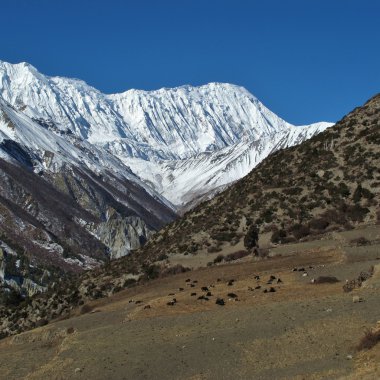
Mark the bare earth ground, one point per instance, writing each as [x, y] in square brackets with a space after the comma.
[301, 331]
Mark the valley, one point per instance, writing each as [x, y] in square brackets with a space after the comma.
[88, 177]
[302, 330]
[190, 190]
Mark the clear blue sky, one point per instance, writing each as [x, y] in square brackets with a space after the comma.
[307, 60]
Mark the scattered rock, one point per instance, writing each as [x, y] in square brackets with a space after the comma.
[357, 283]
[356, 299]
[232, 295]
[147, 307]
[193, 294]
[204, 288]
[220, 301]
[203, 298]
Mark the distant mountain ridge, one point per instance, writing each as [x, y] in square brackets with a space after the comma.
[184, 142]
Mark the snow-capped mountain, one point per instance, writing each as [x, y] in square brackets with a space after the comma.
[85, 176]
[183, 142]
[65, 201]
[52, 149]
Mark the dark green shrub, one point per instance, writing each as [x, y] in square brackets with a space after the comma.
[356, 213]
[300, 231]
[251, 238]
[86, 308]
[278, 236]
[151, 271]
[176, 269]
[236, 255]
[129, 282]
[357, 193]
[326, 280]
[319, 224]
[344, 191]
[360, 241]
[218, 259]
[163, 257]
[10, 298]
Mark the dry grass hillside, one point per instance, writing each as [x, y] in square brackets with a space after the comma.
[285, 317]
[331, 182]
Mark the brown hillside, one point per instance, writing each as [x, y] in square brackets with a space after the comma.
[330, 182]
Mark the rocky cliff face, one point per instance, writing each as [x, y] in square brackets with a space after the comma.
[2, 265]
[65, 205]
[123, 235]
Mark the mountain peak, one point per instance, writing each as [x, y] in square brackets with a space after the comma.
[153, 132]
[21, 67]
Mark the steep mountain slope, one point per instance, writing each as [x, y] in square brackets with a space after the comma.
[184, 181]
[66, 205]
[328, 183]
[165, 136]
